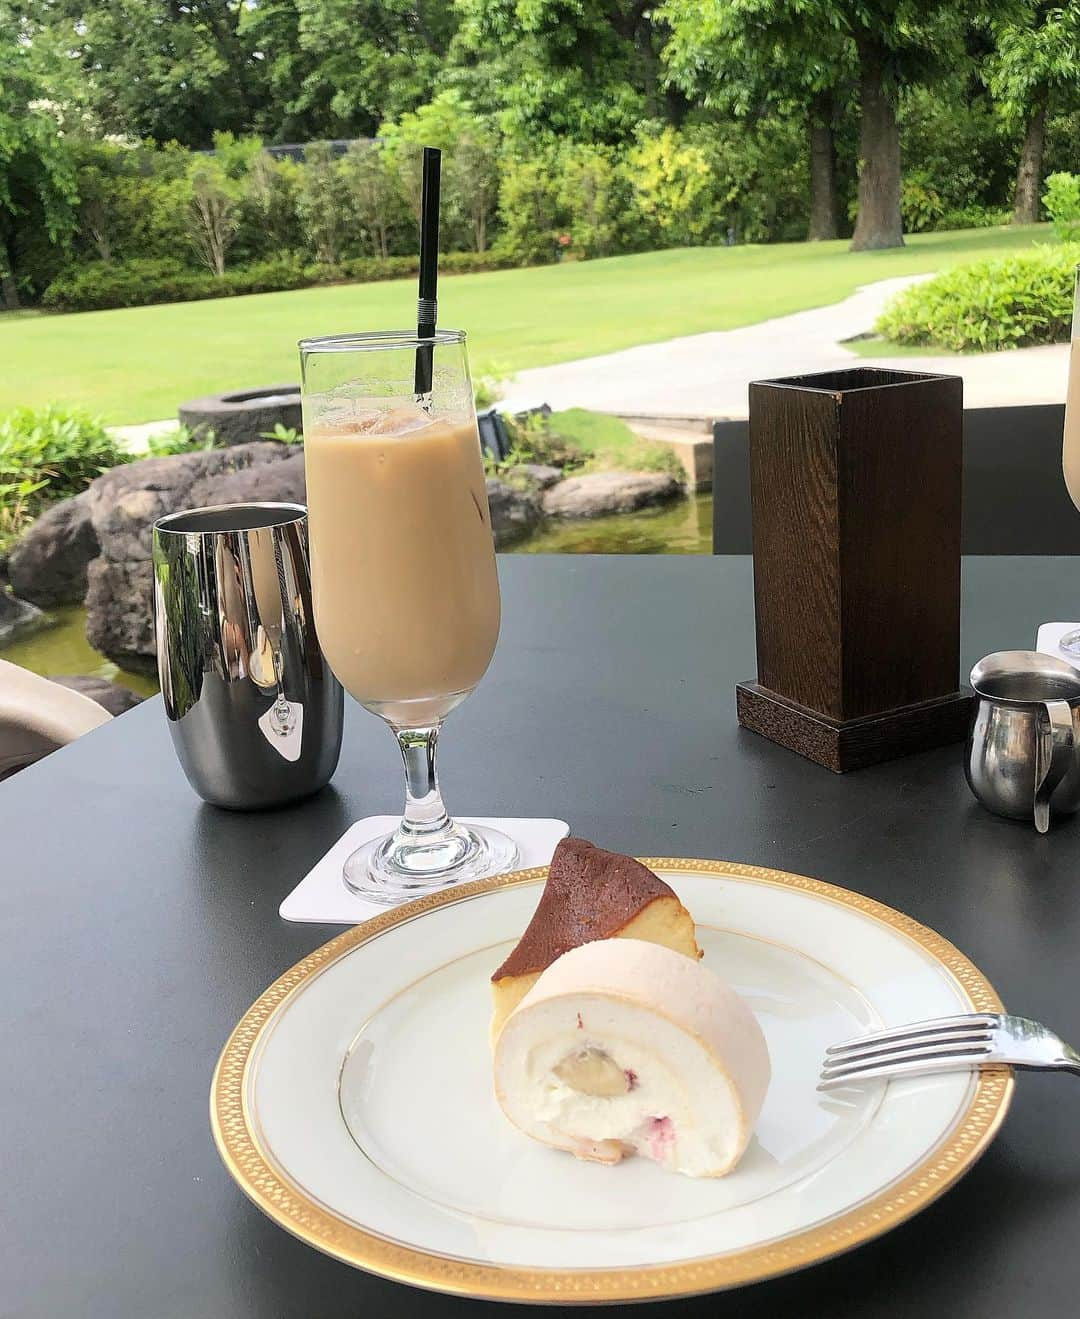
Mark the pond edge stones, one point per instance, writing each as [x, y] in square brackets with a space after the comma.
[597, 494]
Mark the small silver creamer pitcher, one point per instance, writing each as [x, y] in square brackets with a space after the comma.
[254, 711]
[1023, 752]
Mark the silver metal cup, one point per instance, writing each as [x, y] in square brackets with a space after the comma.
[254, 711]
[1023, 751]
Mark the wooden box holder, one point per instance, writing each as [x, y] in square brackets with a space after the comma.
[855, 491]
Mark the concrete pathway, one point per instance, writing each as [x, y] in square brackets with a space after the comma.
[706, 375]
[134, 438]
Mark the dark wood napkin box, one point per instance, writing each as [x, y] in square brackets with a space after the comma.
[855, 480]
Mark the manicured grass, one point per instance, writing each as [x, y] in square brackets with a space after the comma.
[595, 432]
[138, 364]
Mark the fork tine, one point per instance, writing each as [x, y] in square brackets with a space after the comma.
[898, 1071]
[983, 1020]
[897, 1062]
[899, 1048]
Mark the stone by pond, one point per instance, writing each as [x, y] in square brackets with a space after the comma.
[684, 527]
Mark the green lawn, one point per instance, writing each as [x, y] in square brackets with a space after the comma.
[138, 364]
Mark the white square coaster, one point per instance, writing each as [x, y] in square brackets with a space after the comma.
[1046, 643]
[322, 898]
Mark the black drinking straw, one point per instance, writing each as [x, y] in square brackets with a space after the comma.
[426, 309]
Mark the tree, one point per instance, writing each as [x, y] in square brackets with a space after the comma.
[37, 168]
[338, 68]
[321, 203]
[214, 211]
[1036, 61]
[720, 53]
[470, 147]
[372, 189]
[473, 178]
[158, 68]
[584, 69]
[893, 44]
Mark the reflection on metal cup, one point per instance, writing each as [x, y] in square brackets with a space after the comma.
[1023, 751]
[253, 708]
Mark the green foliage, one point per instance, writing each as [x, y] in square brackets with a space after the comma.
[1062, 202]
[530, 207]
[213, 207]
[1036, 55]
[321, 203]
[181, 439]
[371, 185]
[47, 454]
[584, 70]
[533, 439]
[672, 185]
[594, 195]
[283, 434]
[37, 174]
[989, 305]
[99, 285]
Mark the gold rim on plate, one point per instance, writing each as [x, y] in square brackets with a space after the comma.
[236, 1136]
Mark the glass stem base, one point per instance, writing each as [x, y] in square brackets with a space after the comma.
[1070, 643]
[428, 851]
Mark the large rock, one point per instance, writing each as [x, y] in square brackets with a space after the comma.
[16, 616]
[48, 566]
[110, 695]
[599, 493]
[123, 506]
[515, 513]
[539, 475]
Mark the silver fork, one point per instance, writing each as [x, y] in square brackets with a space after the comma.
[947, 1044]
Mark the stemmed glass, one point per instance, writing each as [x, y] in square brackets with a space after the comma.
[1070, 451]
[404, 584]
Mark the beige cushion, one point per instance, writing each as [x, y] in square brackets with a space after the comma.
[37, 716]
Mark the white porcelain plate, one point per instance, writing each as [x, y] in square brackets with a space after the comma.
[353, 1102]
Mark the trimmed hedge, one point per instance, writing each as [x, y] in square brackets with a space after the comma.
[990, 305]
[97, 286]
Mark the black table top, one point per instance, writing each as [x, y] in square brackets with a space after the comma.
[139, 924]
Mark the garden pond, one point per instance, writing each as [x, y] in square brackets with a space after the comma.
[684, 527]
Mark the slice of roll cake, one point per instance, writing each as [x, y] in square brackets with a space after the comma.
[627, 1047]
[590, 894]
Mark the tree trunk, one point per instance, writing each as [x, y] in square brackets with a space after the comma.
[1029, 170]
[824, 203]
[878, 223]
[9, 290]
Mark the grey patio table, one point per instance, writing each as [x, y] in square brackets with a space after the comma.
[138, 925]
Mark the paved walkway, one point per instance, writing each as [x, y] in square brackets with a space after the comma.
[706, 375]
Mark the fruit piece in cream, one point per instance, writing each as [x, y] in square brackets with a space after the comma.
[625, 1047]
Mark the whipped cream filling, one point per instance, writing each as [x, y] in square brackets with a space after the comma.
[691, 1059]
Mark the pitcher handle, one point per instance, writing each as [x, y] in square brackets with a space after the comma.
[1054, 750]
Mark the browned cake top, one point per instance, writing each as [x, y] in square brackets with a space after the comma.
[590, 894]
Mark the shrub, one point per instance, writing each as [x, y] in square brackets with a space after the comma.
[100, 284]
[47, 454]
[179, 440]
[988, 305]
[1062, 202]
[529, 207]
[973, 216]
[673, 185]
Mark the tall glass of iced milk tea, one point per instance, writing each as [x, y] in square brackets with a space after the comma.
[403, 575]
[1070, 451]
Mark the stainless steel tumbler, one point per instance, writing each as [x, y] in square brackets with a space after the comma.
[254, 711]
